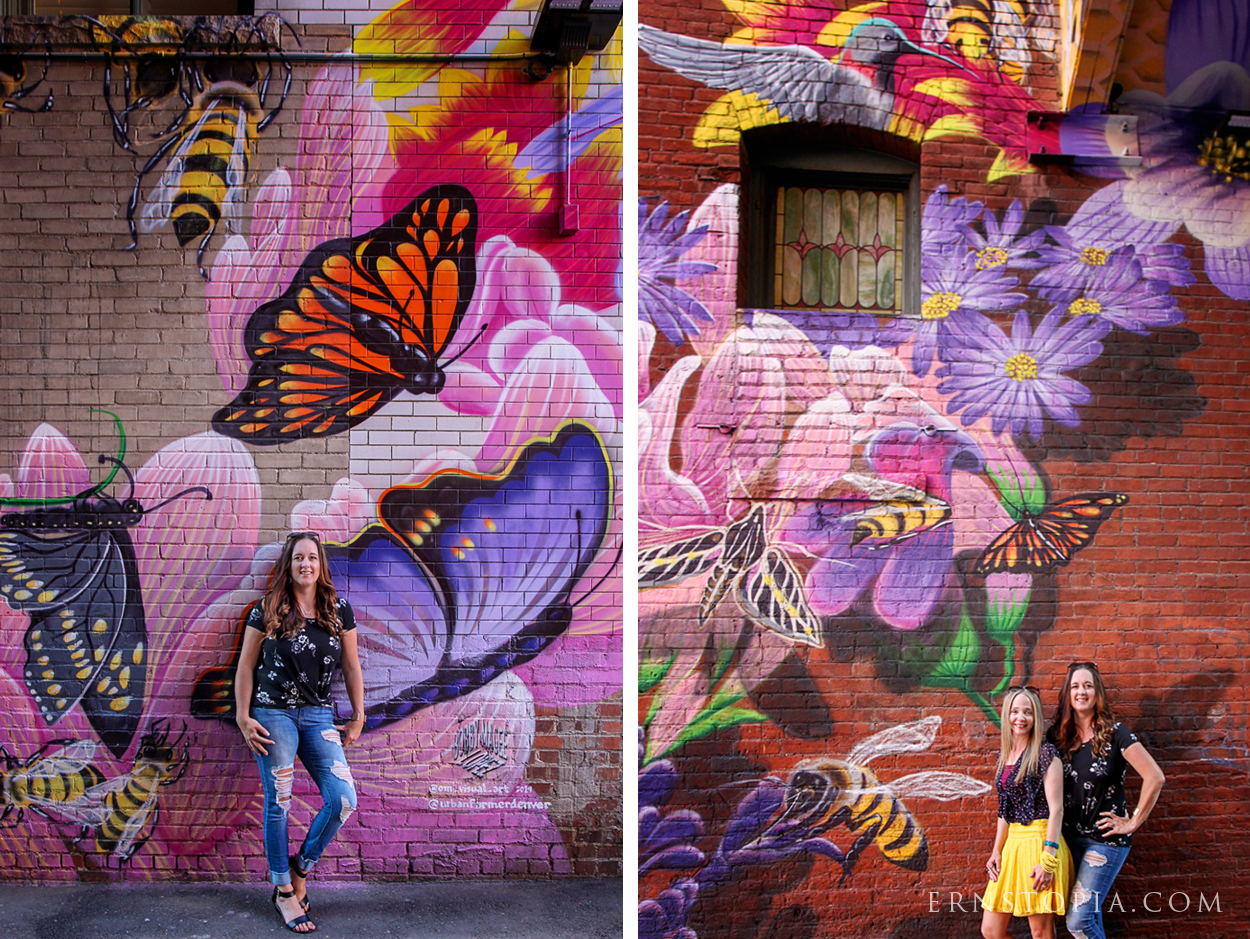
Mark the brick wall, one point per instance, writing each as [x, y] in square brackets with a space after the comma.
[815, 418]
[510, 389]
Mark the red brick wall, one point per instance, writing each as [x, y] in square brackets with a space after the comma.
[1154, 599]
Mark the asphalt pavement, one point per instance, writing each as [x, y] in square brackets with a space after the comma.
[568, 909]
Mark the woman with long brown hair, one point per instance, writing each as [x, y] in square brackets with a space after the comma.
[1029, 866]
[1096, 751]
[295, 638]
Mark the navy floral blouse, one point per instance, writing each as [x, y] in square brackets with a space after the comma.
[1095, 784]
[1023, 801]
[295, 672]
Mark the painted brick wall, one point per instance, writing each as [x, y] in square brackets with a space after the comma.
[492, 646]
[813, 419]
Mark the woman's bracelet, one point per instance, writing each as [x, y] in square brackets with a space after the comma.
[1051, 844]
[1050, 863]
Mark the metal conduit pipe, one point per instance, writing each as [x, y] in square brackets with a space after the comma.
[94, 54]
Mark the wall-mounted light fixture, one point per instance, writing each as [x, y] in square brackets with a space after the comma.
[568, 29]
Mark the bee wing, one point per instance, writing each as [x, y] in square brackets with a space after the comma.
[236, 167]
[672, 563]
[945, 787]
[71, 757]
[160, 202]
[901, 738]
[129, 840]
[879, 489]
[89, 809]
[773, 597]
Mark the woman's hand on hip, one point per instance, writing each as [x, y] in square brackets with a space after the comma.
[254, 735]
[991, 866]
[1111, 824]
[351, 730]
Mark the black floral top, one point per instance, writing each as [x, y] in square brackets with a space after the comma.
[1092, 786]
[295, 672]
[1023, 801]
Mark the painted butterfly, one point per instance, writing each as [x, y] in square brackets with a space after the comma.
[1048, 539]
[72, 570]
[468, 575]
[769, 589]
[364, 319]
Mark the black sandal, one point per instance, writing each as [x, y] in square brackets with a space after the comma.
[298, 921]
[303, 875]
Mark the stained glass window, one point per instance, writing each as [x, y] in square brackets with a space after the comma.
[839, 249]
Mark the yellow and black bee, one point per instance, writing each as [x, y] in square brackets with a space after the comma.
[58, 781]
[996, 31]
[825, 793]
[130, 809]
[13, 72]
[226, 102]
[894, 520]
[146, 51]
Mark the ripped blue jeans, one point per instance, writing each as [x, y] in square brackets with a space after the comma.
[1097, 864]
[308, 733]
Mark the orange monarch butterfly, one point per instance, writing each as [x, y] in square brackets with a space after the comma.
[1040, 543]
[364, 319]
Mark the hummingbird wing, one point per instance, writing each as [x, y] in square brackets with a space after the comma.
[798, 81]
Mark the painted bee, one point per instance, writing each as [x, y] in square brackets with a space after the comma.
[893, 512]
[991, 30]
[130, 809]
[13, 73]
[58, 781]
[824, 793]
[226, 100]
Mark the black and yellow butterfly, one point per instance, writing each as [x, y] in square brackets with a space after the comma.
[364, 319]
[72, 570]
[1048, 539]
[769, 590]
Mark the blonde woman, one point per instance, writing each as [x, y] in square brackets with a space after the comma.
[1029, 866]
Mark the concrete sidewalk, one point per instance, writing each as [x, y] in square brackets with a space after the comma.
[444, 910]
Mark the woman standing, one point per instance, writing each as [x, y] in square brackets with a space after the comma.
[295, 639]
[1029, 865]
[1096, 752]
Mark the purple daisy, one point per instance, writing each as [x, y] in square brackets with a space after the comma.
[945, 221]
[1000, 246]
[953, 285]
[661, 245]
[1018, 380]
[1118, 294]
[1101, 229]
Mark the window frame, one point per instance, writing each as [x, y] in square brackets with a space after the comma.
[830, 167]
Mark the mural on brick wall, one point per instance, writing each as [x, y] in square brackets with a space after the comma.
[215, 109]
[397, 278]
[806, 474]
[923, 71]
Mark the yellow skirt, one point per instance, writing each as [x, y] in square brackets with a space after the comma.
[1013, 891]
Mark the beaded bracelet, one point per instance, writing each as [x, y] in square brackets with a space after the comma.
[1051, 844]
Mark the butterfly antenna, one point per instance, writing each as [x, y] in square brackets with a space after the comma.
[99, 487]
[480, 333]
[208, 495]
[130, 478]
